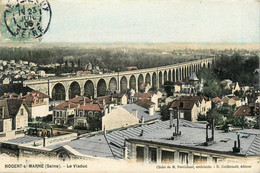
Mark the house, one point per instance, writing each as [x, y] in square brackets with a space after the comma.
[155, 142]
[119, 117]
[62, 112]
[217, 102]
[190, 144]
[7, 80]
[13, 118]
[65, 111]
[153, 97]
[193, 79]
[88, 115]
[235, 88]
[249, 112]
[226, 83]
[191, 106]
[231, 100]
[119, 99]
[129, 114]
[38, 104]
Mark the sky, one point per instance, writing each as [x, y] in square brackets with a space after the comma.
[154, 21]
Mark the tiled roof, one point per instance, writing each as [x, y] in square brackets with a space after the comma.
[187, 102]
[102, 98]
[185, 105]
[65, 105]
[79, 100]
[131, 68]
[91, 107]
[11, 107]
[143, 95]
[145, 103]
[36, 94]
[11, 96]
[118, 95]
[243, 111]
[216, 100]
[32, 96]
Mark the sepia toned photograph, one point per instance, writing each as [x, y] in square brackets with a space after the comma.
[130, 86]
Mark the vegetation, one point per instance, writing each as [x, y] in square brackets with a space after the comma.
[111, 59]
[211, 86]
[223, 116]
[168, 87]
[237, 68]
[165, 113]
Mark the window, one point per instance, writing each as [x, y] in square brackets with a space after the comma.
[81, 114]
[183, 158]
[152, 155]
[21, 111]
[58, 114]
[90, 113]
[199, 159]
[167, 156]
[139, 154]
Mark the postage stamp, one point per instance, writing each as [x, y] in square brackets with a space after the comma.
[24, 20]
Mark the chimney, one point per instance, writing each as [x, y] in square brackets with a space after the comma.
[109, 108]
[238, 141]
[105, 131]
[125, 151]
[104, 102]
[171, 117]
[151, 110]
[142, 120]
[236, 148]
[178, 116]
[212, 129]
[69, 105]
[142, 133]
[44, 141]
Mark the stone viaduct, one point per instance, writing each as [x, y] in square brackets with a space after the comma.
[93, 85]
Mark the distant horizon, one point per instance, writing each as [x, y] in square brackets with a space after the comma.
[140, 45]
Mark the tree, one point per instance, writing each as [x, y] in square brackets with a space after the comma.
[168, 87]
[211, 86]
[165, 113]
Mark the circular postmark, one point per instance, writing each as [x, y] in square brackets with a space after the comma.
[27, 18]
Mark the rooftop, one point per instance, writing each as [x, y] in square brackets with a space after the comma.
[141, 112]
[194, 137]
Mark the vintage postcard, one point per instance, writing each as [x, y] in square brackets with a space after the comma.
[129, 86]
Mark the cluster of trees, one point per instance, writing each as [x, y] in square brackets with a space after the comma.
[223, 117]
[113, 59]
[236, 68]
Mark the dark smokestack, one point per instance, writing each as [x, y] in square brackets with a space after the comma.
[171, 117]
[178, 114]
[238, 142]
[207, 133]
[212, 128]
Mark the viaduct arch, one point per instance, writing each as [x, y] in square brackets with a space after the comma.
[62, 88]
